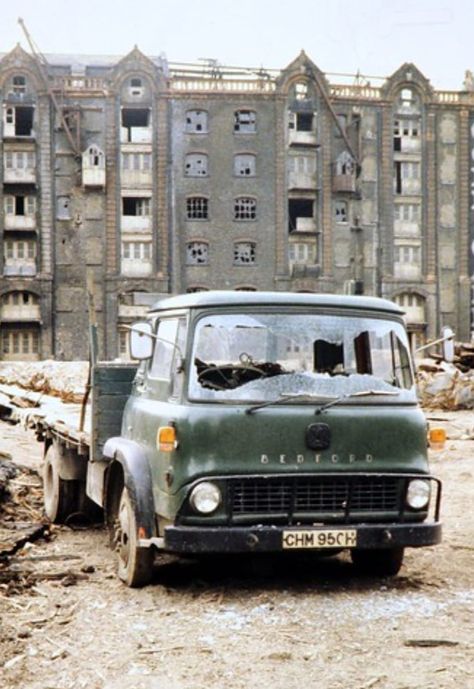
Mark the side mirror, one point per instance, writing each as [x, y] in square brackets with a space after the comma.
[141, 341]
[448, 343]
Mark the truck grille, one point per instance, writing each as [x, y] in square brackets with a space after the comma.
[341, 496]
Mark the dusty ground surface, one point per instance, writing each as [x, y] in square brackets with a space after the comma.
[67, 622]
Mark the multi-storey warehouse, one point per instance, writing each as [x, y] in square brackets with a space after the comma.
[156, 178]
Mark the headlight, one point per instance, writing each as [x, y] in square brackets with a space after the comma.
[205, 497]
[418, 494]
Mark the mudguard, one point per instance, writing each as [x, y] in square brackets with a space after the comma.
[138, 481]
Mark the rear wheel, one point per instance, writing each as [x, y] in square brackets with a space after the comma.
[60, 497]
[134, 563]
[380, 562]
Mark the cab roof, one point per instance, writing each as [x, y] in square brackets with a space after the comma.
[222, 298]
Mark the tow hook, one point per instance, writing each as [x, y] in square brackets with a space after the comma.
[252, 540]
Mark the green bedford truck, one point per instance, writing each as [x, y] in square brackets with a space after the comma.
[258, 422]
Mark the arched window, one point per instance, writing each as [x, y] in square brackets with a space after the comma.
[245, 165]
[245, 208]
[196, 122]
[244, 253]
[197, 208]
[245, 121]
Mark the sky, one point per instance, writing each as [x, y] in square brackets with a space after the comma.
[373, 37]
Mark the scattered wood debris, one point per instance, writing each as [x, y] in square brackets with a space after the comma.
[449, 386]
[64, 379]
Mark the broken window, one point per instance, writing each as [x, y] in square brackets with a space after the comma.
[19, 84]
[258, 357]
[136, 205]
[136, 250]
[299, 208]
[245, 165]
[345, 164]
[302, 252]
[340, 209]
[244, 253]
[404, 174]
[197, 254]
[301, 90]
[245, 208]
[197, 208]
[196, 122]
[245, 121]
[63, 210]
[196, 288]
[405, 129]
[195, 165]
[95, 157]
[20, 299]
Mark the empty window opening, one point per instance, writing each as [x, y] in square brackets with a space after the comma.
[20, 205]
[195, 165]
[132, 205]
[20, 299]
[328, 357]
[245, 209]
[196, 121]
[244, 253]
[197, 254]
[197, 208]
[245, 121]
[245, 165]
[341, 211]
[19, 84]
[135, 117]
[24, 121]
[304, 121]
[299, 208]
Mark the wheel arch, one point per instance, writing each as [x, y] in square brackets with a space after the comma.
[129, 467]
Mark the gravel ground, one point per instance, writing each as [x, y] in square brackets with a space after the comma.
[68, 623]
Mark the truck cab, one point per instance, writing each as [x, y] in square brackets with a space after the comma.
[271, 422]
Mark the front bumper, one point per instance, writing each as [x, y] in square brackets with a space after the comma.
[251, 539]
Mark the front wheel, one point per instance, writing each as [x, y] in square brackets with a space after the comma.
[134, 563]
[380, 562]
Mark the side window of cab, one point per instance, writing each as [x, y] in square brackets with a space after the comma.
[168, 356]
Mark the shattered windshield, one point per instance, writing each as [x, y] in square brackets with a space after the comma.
[259, 357]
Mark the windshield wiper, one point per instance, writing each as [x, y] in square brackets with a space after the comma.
[290, 396]
[362, 393]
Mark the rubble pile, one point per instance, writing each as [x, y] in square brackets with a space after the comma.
[21, 512]
[449, 386]
[64, 379]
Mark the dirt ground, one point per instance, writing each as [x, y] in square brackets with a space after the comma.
[282, 624]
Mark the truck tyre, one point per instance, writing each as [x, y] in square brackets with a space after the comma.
[60, 497]
[380, 562]
[135, 564]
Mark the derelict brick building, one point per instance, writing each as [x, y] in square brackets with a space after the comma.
[150, 178]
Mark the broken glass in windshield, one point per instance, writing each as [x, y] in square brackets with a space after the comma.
[257, 357]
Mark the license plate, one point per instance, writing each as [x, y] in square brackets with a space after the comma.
[320, 538]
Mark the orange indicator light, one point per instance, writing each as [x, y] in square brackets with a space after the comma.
[166, 440]
[437, 438]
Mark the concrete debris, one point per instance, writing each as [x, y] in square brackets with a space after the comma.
[449, 386]
[64, 379]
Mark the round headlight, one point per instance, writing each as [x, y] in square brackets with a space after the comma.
[418, 494]
[205, 497]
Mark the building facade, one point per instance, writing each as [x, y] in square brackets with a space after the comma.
[143, 178]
